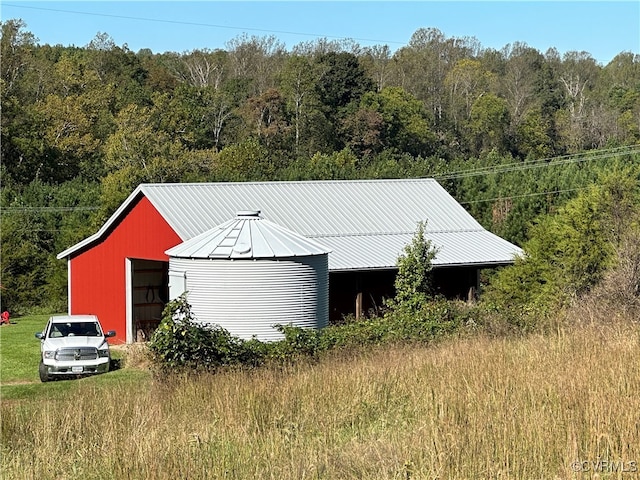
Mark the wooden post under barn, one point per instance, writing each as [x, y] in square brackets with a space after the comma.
[358, 297]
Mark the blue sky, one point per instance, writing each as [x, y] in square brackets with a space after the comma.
[603, 29]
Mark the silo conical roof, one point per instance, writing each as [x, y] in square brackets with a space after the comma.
[246, 236]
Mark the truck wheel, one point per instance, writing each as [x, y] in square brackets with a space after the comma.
[44, 375]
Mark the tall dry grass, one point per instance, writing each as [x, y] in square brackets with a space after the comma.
[468, 408]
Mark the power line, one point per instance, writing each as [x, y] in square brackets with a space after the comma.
[545, 162]
[511, 197]
[539, 163]
[26, 209]
[473, 172]
[200, 24]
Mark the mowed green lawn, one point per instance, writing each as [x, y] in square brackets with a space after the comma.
[20, 355]
[20, 350]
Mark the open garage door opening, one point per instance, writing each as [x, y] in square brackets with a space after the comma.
[148, 293]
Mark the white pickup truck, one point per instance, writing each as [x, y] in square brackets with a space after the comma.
[73, 345]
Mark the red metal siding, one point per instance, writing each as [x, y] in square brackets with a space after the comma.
[98, 277]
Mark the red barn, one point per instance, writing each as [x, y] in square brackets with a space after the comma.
[121, 273]
[103, 267]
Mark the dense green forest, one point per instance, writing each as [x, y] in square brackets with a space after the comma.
[512, 134]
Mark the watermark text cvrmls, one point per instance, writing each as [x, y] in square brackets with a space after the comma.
[605, 466]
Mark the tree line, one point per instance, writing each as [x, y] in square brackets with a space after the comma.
[83, 126]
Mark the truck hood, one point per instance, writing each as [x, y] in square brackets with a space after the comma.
[74, 342]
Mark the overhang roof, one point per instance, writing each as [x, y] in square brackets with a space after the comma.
[366, 223]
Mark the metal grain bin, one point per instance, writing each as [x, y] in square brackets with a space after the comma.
[249, 274]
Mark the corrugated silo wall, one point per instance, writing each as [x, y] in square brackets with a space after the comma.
[248, 297]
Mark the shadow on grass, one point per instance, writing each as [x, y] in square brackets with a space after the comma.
[116, 364]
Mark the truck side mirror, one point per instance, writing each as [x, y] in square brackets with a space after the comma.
[110, 333]
[39, 335]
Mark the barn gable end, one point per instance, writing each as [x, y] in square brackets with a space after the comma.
[98, 272]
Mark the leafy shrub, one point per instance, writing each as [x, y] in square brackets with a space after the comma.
[180, 342]
[414, 281]
[568, 253]
[297, 342]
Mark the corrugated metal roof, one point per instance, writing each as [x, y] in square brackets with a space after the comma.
[366, 223]
[248, 235]
[313, 208]
[359, 252]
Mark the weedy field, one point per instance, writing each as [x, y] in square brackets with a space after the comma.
[561, 405]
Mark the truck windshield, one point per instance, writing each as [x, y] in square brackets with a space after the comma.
[78, 329]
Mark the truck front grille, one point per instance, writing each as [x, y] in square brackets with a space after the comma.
[82, 353]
